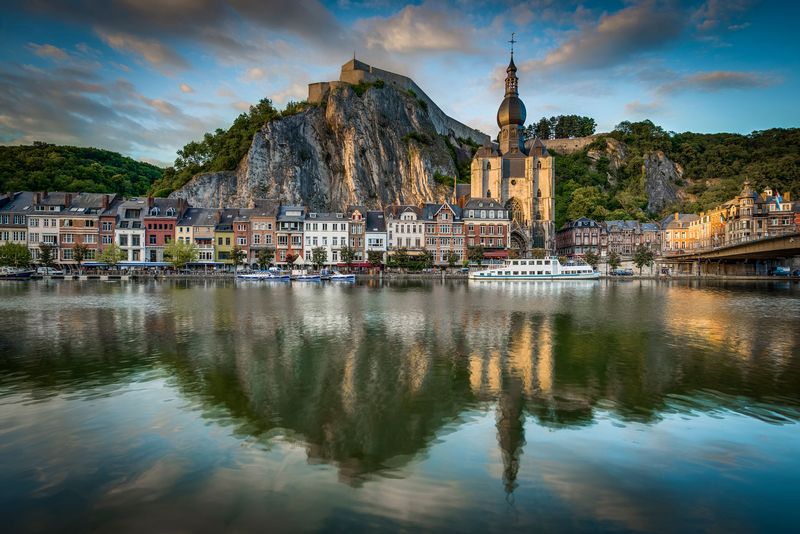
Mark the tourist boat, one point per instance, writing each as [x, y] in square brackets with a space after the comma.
[533, 269]
[342, 277]
[305, 276]
[14, 273]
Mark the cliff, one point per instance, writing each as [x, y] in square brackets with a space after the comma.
[373, 149]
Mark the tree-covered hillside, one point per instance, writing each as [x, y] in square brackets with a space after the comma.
[714, 167]
[223, 149]
[46, 167]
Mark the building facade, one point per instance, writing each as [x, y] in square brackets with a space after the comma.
[327, 231]
[444, 232]
[488, 226]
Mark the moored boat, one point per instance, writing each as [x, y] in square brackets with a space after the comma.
[536, 269]
[342, 277]
[14, 273]
[263, 275]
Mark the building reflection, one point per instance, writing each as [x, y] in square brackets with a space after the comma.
[366, 380]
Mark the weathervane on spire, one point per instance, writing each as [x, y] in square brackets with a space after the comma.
[512, 41]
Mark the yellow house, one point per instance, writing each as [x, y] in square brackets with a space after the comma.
[224, 239]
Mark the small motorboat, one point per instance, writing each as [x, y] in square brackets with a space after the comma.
[14, 273]
[306, 277]
[342, 277]
[264, 275]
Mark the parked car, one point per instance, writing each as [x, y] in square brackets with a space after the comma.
[780, 271]
[49, 271]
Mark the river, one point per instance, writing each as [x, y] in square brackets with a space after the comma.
[208, 406]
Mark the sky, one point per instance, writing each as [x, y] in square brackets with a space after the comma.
[144, 77]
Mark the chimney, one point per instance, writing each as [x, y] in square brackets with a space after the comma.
[67, 199]
[149, 201]
[104, 202]
[38, 198]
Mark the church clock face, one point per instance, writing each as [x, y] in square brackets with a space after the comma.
[513, 182]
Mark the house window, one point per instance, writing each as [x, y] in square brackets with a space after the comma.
[152, 239]
[69, 238]
[241, 240]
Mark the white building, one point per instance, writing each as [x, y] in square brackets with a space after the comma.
[328, 231]
[129, 234]
[375, 236]
[404, 228]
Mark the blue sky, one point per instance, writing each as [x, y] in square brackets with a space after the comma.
[143, 77]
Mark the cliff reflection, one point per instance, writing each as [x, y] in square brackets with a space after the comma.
[366, 379]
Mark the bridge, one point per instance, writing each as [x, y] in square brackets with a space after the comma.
[751, 257]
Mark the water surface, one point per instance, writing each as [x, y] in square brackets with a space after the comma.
[211, 406]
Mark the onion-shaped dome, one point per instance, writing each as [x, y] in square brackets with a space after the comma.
[511, 111]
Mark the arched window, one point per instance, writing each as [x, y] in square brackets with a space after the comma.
[538, 164]
[488, 193]
[488, 165]
[170, 212]
[538, 193]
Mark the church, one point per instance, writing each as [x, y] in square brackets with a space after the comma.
[518, 173]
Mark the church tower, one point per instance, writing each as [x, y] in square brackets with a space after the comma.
[511, 114]
[518, 172]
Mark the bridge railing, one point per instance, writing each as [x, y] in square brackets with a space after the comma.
[727, 243]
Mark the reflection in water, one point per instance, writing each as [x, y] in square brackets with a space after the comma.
[370, 379]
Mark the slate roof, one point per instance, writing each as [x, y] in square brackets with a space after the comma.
[199, 217]
[430, 210]
[483, 203]
[325, 217]
[19, 202]
[376, 222]
[583, 222]
[395, 210]
[282, 213]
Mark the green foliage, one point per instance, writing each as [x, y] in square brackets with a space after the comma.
[375, 257]
[46, 254]
[475, 253]
[538, 253]
[46, 167]
[223, 149]
[643, 257]
[265, 257]
[418, 137]
[591, 259]
[79, 253]
[561, 127]
[179, 253]
[14, 254]
[463, 165]
[238, 256]
[348, 254]
[319, 256]
[112, 255]
[452, 259]
[613, 261]
[443, 179]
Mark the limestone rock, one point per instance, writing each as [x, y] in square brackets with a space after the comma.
[373, 150]
[661, 177]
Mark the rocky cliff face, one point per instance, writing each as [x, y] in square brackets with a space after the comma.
[661, 176]
[373, 150]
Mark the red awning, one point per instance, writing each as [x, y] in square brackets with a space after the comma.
[496, 254]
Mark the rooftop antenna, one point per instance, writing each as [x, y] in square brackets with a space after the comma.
[512, 41]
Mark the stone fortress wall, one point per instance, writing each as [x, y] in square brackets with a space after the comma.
[568, 146]
[355, 72]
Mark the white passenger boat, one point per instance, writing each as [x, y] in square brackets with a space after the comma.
[532, 269]
[342, 277]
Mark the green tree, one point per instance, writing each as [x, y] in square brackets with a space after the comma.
[542, 129]
[46, 254]
[400, 258]
[475, 253]
[591, 259]
[375, 257]
[15, 255]
[179, 253]
[426, 259]
[452, 259]
[79, 253]
[238, 256]
[319, 256]
[613, 261]
[643, 257]
[112, 255]
[538, 253]
[348, 254]
[265, 257]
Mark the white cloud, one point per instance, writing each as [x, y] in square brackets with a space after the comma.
[254, 73]
[186, 88]
[151, 50]
[48, 51]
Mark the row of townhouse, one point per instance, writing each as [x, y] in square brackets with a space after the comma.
[143, 227]
[747, 217]
[621, 237]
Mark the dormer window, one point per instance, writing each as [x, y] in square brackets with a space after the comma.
[170, 212]
[155, 211]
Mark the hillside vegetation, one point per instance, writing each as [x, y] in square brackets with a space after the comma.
[714, 167]
[46, 167]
